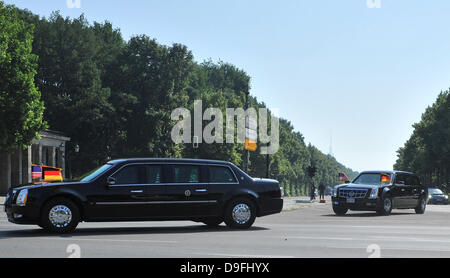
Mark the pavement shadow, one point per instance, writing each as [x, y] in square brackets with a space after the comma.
[367, 214]
[123, 231]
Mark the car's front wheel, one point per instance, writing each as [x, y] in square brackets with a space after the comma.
[340, 211]
[420, 209]
[240, 213]
[386, 207]
[60, 215]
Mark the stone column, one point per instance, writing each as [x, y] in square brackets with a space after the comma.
[40, 154]
[16, 167]
[53, 156]
[5, 172]
[62, 160]
[26, 165]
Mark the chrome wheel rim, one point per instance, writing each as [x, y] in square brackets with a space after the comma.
[241, 213]
[60, 216]
[387, 204]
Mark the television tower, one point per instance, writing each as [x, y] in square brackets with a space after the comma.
[330, 152]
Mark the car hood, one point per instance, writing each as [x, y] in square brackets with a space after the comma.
[33, 186]
[352, 185]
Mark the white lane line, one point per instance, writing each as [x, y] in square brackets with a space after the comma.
[244, 256]
[106, 240]
[371, 238]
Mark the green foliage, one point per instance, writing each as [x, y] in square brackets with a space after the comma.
[21, 110]
[427, 152]
[115, 98]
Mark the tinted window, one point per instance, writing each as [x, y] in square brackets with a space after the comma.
[221, 175]
[186, 174]
[413, 180]
[153, 173]
[128, 175]
[401, 179]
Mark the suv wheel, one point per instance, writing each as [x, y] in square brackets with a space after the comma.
[420, 209]
[386, 207]
[60, 215]
[240, 213]
[340, 211]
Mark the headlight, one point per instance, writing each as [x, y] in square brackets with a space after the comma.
[22, 198]
[429, 196]
[446, 197]
[373, 193]
[335, 191]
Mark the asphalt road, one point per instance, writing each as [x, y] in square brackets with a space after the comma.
[308, 232]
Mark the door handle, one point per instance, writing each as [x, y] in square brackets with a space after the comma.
[137, 191]
[201, 190]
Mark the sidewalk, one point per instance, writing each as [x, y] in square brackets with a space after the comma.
[294, 203]
[2, 200]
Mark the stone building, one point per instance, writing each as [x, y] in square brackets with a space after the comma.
[15, 166]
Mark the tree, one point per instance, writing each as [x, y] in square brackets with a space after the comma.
[427, 151]
[21, 109]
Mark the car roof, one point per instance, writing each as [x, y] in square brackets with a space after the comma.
[169, 160]
[387, 172]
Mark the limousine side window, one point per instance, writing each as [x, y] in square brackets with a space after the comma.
[153, 174]
[219, 174]
[127, 175]
[186, 174]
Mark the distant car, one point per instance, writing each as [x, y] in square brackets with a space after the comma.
[436, 196]
[381, 191]
[205, 191]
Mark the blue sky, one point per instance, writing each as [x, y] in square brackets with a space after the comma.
[364, 75]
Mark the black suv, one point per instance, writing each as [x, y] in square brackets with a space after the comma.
[148, 189]
[381, 191]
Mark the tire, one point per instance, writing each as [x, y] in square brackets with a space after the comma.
[212, 222]
[339, 211]
[420, 209]
[60, 215]
[386, 207]
[240, 213]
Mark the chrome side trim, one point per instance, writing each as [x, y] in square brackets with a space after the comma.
[157, 202]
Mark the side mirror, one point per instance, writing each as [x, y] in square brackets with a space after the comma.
[400, 182]
[346, 182]
[111, 181]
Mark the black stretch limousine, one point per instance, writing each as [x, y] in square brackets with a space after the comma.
[205, 191]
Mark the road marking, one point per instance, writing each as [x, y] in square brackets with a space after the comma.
[244, 256]
[107, 240]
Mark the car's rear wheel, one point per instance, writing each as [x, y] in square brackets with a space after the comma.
[386, 207]
[60, 215]
[340, 211]
[420, 209]
[240, 213]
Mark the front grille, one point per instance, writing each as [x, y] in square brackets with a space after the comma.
[352, 193]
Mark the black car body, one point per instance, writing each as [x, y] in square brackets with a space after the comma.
[381, 191]
[436, 196]
[148, 189]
